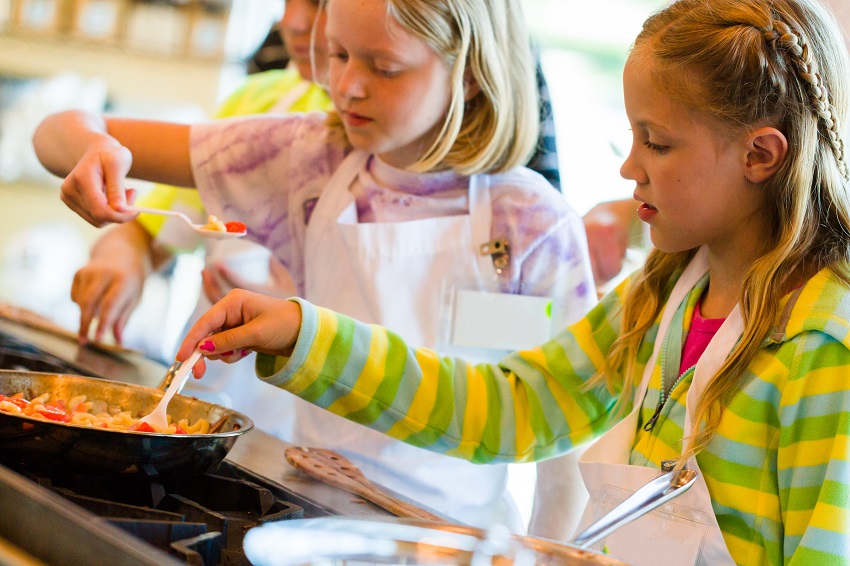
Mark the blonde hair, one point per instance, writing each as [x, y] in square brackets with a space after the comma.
[485, 43]
[746, 64]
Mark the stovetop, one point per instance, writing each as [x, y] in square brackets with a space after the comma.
[199, 520]
[26, 348]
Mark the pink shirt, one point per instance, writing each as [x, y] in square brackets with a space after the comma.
[701, 332]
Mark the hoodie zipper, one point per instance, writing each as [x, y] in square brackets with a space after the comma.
[664, 396]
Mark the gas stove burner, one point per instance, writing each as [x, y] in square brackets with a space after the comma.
[200, 519]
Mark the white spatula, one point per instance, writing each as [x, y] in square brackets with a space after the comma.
[158, 418]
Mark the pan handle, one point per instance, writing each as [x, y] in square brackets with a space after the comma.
[652, 495]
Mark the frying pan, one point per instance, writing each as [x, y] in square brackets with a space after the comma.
[54, 445]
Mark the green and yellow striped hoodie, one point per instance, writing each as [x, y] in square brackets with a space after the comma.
[777, 469]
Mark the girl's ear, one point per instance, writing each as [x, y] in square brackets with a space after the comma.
[766, 151]
[470, 86]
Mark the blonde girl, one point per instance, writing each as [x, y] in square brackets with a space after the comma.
[407, 208]
[728, 352]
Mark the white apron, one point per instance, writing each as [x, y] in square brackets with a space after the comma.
[391, 274]
[234, 385]
[686, 530]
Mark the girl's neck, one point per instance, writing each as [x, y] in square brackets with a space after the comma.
[726, 276]
[726, 268]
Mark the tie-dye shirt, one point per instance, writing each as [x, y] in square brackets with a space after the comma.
[268, 171]
[777, 468]
[259, 94]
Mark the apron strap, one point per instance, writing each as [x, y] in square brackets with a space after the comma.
[480, 214]
[341, 180]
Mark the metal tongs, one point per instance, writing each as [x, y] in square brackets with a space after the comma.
[652, 495]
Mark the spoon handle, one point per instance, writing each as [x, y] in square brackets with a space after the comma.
[180, 377]
[164, 211]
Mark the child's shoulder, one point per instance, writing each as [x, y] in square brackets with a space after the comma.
[526, 192]
[822, 305]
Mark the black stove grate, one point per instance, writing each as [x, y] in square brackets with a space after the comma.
[198, 519]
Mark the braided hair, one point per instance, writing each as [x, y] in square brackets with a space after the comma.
[748, 64]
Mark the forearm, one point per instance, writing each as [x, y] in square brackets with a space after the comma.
[159, 150]
[130, 242]
[62, 139]
[486, 413]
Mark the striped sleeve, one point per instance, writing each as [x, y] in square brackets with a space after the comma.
[813, 452]
[530, 406]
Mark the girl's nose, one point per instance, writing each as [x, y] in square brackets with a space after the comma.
[297, 16]
[351, 82]
[631, 170]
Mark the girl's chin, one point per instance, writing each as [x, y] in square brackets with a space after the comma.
[669, 244]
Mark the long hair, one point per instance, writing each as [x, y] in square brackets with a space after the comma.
[485, 42]
[746, 64]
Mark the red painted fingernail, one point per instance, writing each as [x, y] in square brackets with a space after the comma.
[245, 352]
[227, 353]
[207, 346]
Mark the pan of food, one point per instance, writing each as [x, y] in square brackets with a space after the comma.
[90, 425]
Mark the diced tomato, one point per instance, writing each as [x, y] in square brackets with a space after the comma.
[81, 408]
[178, 430]
[53, 412]
[59, 417]
[142, 427]
[20, 402]
[234, 226]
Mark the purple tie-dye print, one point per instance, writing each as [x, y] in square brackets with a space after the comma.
[267, 171]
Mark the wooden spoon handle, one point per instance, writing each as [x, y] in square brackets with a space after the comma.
[335, 469]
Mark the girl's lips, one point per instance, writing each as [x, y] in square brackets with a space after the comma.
[353, 119]
[302, 52]
[646, 212]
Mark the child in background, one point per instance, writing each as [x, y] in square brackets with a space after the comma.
[727, 352]
[408, 209]
[109, 287]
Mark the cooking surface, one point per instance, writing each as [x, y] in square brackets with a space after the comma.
[134, 520]
[127, 367]
[46, 516]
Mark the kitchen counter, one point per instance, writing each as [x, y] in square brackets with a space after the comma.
[132, 368]
[263, 454]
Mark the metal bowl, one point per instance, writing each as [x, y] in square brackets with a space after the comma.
[348, 541]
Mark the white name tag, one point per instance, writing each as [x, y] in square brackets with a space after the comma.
[500, 321]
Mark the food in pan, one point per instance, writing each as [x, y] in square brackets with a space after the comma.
[216, 225]
[78, 411]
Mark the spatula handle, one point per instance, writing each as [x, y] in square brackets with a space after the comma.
[335, 469]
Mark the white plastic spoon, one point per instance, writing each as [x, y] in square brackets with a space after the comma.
[158, 418]
[215, 234]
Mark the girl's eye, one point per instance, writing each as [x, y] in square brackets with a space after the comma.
[338, 55]
[655, 147]
[389, 73]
